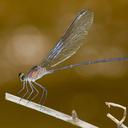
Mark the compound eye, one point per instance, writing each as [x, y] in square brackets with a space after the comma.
[22, 76]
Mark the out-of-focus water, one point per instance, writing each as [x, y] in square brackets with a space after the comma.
[28, 29]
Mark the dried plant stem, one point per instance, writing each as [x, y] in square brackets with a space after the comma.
[71, 119]
[119, 123]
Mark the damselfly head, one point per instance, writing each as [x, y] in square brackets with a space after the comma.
[22, 76]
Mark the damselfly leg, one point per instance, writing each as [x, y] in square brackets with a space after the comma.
[35, 90]
[44, 93]
[32, 91]
[23, 88]
[31, 86]
[27, 91]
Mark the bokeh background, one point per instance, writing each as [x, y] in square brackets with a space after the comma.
[29, 28]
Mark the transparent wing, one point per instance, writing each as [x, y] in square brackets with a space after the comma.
[71, 41]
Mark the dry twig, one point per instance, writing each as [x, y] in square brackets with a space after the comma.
[119, 123]
[71, 119]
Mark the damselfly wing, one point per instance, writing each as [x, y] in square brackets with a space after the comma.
[71, 41]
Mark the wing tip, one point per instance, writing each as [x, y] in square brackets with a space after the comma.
[88, 14]
[86, 11]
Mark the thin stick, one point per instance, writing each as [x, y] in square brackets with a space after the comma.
[119, 123]
[48, 111]
[116, 121]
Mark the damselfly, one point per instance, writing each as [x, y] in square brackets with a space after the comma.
[70, 42]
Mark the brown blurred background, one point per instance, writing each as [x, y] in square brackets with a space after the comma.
[28, 29]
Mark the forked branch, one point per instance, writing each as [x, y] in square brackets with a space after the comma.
[118, 123]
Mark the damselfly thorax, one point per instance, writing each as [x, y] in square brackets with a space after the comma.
[36, 73]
